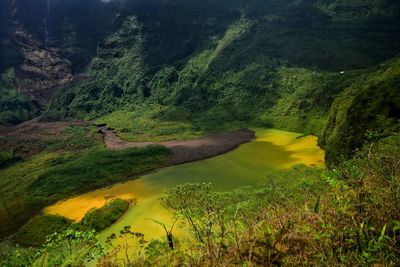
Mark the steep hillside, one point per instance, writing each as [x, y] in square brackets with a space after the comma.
[369, 109]
[88, 79]
[208, 65]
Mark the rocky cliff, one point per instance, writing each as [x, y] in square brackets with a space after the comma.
[41, 70]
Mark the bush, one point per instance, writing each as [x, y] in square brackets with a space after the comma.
[99, 219]
[7, 158]
[34, 232]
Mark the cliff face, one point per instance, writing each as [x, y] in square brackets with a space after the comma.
[369, 109]
[41, 71]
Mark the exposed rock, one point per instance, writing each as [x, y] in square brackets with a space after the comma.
[42, 70]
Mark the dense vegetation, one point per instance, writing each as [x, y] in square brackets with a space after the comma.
[345, 216]
[52, 176]
[369, 109]
[169, 76]
[163, 70]
[7, 158]
[14, 107]
[241, 70]
[35, 231]
[94, 169]
[101, 218]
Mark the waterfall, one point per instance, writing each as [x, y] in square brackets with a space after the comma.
[46, 33]
[45, 22]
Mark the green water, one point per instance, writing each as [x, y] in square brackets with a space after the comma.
[247, 165]
[273, 150]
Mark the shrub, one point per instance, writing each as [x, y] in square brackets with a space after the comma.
[35, 231]
[99, 219]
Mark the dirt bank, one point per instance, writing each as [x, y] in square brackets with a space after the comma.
[188, 150]
[184, 151]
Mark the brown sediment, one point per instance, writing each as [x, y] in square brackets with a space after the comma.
[187, 150]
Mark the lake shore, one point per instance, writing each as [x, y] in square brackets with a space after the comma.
[187, 150]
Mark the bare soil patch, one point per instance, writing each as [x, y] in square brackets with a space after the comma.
[187, 150]
[24, 135]
[32, 137]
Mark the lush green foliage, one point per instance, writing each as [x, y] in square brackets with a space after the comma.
[7, 158]
[35, 231]
[154, 73]
[368, 110]
[347, 216]
[101, 218]
[14, 108]
[252, 68]
[96, 168]
[49, 177]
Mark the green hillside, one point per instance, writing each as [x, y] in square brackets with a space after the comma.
[80, 73]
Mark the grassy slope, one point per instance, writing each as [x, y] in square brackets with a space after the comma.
[238, 61]
[147, 124]
[48, 177]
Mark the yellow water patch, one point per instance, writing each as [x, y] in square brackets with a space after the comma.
[247, 165]
[304, 149]
[75, 208]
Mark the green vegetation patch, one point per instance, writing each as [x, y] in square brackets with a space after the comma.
[29, 186]
[7, 158]
[369, 109]
[35, 231]
[152, 123]
[14, 107]
[99, 219]
[95, 169]
[346, 216]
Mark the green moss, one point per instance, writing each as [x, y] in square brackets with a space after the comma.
[99, 219]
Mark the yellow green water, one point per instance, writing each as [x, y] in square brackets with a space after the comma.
[247, 165]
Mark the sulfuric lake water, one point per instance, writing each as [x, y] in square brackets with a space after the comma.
[247, 165]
